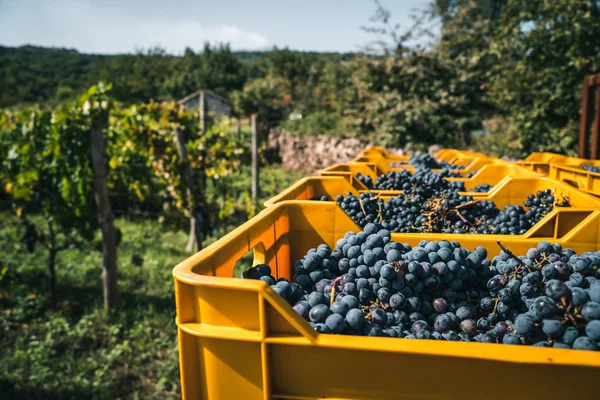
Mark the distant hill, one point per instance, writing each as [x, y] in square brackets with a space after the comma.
[31, 74]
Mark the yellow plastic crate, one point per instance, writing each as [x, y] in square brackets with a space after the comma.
[446, 154]
[450, 154]
[514, 191]
[543, 156]
[375, 151]
[469, 164]
[394, 163]
[490, 174]
[317, 186]
[351, 169]
[373, 168]
[239, 340]
[331, 186]
[575, 176]
[540, 162]
[493, 174]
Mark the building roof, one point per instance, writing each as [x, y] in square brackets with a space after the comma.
[209, 92]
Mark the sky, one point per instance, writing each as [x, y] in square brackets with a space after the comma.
[123, 26]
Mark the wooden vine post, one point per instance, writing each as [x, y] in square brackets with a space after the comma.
[590, 118]
[105, 219]
[202, 110]
[255, 170]
[195, 238]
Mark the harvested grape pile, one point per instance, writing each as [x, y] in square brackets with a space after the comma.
[426, 161]
[484, 187]
[404, 180]
[590, 168]
[371, 286]
[439, 208]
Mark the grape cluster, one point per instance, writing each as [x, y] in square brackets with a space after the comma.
[369, 285]
[591, 168]
[365, 179]
[471, 174]
[439, 208]
[404, 180]
[425, 161]
[483, 188]
[321, 198]
[393, 181]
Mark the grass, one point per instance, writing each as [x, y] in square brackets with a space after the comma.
[76, 351]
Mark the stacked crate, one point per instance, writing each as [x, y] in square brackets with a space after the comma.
[239, 339]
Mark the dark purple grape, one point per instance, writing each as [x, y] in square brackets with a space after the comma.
[501, 328]
[569, 335]
[510, 338]
[355, 318]
[340, 307]
[442, 323]
[418, 326]
[352, 301]
[524, 324]
[584, 343]
[319, 313]
[594, 293]
[321, 328]
[553, 327]
[301, 310]
[440, 305]
[464, 313]
[592, 330]
[335, 322]
[379, 317]
[591, 311]
[557, 290]
[397, 301]
[579, 297]
[469, 327]
[544, 307]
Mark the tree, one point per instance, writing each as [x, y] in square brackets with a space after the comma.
[164, 139]
[215, 68]
[48, 171]
[407, 94]
[546, 49]
[267, 97]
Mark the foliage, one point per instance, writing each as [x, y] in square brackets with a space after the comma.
[144, 158]
[317, 123]
[499, 138]
[267, 97]
[46, 165]
[214, 68]
[76, 351]
[413, 99]
[46, 169]
[31, 75]
[547, 48]
[494, 58]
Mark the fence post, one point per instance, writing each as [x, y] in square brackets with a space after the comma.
[202, 105]
[105, 219]
[585, 119]
[195, 240]
[596, 124]
[255, 171]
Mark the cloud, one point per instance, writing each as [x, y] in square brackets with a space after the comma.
[116, 28]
